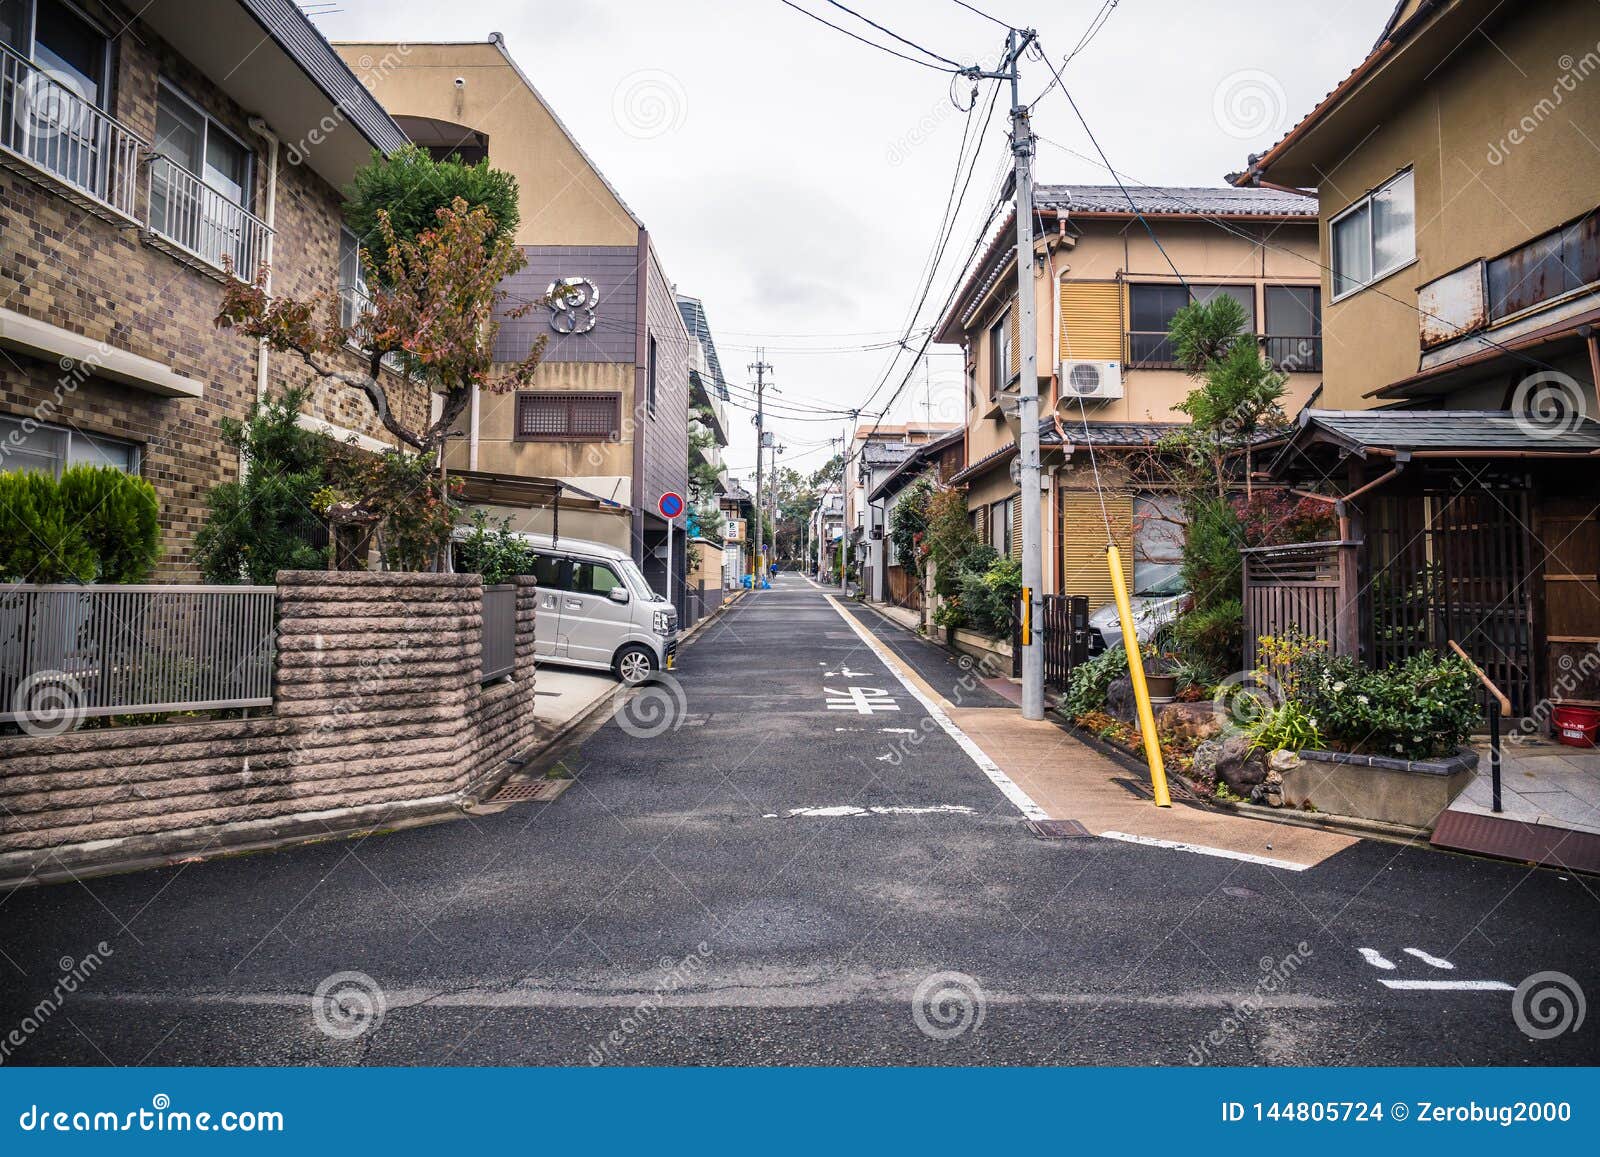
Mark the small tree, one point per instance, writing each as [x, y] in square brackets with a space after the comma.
[410, 187]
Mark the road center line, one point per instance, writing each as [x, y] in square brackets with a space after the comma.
[1008, 788]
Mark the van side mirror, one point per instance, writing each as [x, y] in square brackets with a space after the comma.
[618, 594]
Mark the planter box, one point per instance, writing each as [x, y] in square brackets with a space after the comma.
[1376, 787]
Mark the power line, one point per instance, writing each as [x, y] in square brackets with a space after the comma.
[890, 32]
[864, 40]
[1095, 25]
[979, 11]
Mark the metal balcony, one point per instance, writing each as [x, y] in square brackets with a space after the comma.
[202, 226]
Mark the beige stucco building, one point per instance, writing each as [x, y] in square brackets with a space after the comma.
[607, 411]
[1105, 293]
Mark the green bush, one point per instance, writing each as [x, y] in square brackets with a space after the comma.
[989, 588]
[1214, 637]
[1089, 682]
[265, 523]
[118, 516]
[1287, 727]
[493, 551]
[412, 187]
[40, 539]
[1421, 708]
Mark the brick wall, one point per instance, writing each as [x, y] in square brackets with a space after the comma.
[61, 265]
[377, 703]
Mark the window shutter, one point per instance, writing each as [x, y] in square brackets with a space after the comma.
[1016, 345]
[1016, 527]
[1091, 321]
[1083, 544]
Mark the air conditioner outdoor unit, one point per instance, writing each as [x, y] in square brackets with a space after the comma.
[1091, 381]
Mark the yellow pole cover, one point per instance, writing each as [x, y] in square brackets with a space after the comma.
[1141, 691]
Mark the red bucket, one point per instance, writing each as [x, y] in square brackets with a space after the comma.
[1575, 726]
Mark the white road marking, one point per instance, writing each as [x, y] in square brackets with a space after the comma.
[898, 730]
[1202, 850]
[1448, 985]
[861, 700]
[1000, 779]
[1426, 958]
[1377, 959]
[845, 672]
[852, 810]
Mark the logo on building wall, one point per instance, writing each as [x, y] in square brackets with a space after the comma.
[573, 301]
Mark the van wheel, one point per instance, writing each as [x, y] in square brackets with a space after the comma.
[634, 664]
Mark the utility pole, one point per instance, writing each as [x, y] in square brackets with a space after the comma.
[761, 368]
[1017, 42]
[844, 505]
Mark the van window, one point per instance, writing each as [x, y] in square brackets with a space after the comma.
[551, 572]
[593, 578]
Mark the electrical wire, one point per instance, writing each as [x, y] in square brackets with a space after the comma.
[864, 40]
[1093, 30]
[891, 33]
[979, 11]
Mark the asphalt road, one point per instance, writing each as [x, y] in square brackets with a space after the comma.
[697, 898]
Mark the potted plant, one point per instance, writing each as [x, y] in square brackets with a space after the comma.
[1160, 674]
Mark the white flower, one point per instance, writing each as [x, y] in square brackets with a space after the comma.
[1338, 687]
[1400, 747]
[1362, 699]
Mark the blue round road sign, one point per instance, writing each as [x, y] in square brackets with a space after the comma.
[671, 505]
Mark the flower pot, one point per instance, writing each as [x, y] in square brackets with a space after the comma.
[1162, 688]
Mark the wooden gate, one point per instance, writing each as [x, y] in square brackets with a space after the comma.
[1569, 531]
[1459, 566]
[1299, 585]
[904, 590]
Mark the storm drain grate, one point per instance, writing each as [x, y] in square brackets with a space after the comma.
[540, 790]
[1058, 829]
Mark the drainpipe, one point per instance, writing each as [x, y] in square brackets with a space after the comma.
[259, 127]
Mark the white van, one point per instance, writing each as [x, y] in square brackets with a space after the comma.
[597, 611]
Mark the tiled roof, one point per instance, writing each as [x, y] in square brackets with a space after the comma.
[1181, 200]
[1451, 430]
[886, 453]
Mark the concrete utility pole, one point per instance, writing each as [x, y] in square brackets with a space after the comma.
[1028, 392]
[761, 369]
[844, 505]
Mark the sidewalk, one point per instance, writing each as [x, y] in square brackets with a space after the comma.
[1071, 781]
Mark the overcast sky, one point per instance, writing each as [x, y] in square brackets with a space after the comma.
[795, 179]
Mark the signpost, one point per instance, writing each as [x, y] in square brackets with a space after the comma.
[671, 505]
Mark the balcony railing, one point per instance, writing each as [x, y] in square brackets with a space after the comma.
[1290, 354]
[47, 127]
[197, 222]
[1293, 355]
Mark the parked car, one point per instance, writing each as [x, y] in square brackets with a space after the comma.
[597, 611]
[1154, 606]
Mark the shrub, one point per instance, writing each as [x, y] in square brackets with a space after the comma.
[40, 539]
[265, 522]
[990, 594]
[118, 516]
[1287, 727]
[950, 614]
[1089, 682]
[1272, 517]
[949, 539]
[412, 187]
[1423, 707]
[1214, 637]
[493, 551]
[1212, 564]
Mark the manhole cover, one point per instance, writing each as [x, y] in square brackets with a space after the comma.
[1058, 829]
[539, 790]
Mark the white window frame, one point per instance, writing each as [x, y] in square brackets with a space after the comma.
[10, 423]
[209, 122]
[1365, 201]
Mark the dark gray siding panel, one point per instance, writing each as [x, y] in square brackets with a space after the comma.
[610, 267]
[666, 430]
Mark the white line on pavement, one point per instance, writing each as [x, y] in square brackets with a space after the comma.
[1377, 959]
[1202, 850]
[1426, 958]
[1023, 802]
[1448, 985]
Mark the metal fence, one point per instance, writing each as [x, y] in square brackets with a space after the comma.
[204, 222]
[132, 650]
[499, 631]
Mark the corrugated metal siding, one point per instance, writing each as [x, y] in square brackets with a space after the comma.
[1091, 321]
[1016, 527]
[1083, 544]
[1016, 345]
[610, 267]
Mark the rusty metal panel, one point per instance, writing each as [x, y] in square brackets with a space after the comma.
[1452, 305]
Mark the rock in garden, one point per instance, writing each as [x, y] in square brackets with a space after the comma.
[1120, 703]
[1283, 761]
[1188, 721]
[1239, 767]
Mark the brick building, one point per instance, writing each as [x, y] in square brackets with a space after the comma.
[141, 146]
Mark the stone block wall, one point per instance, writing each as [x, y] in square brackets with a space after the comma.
[377, 703]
